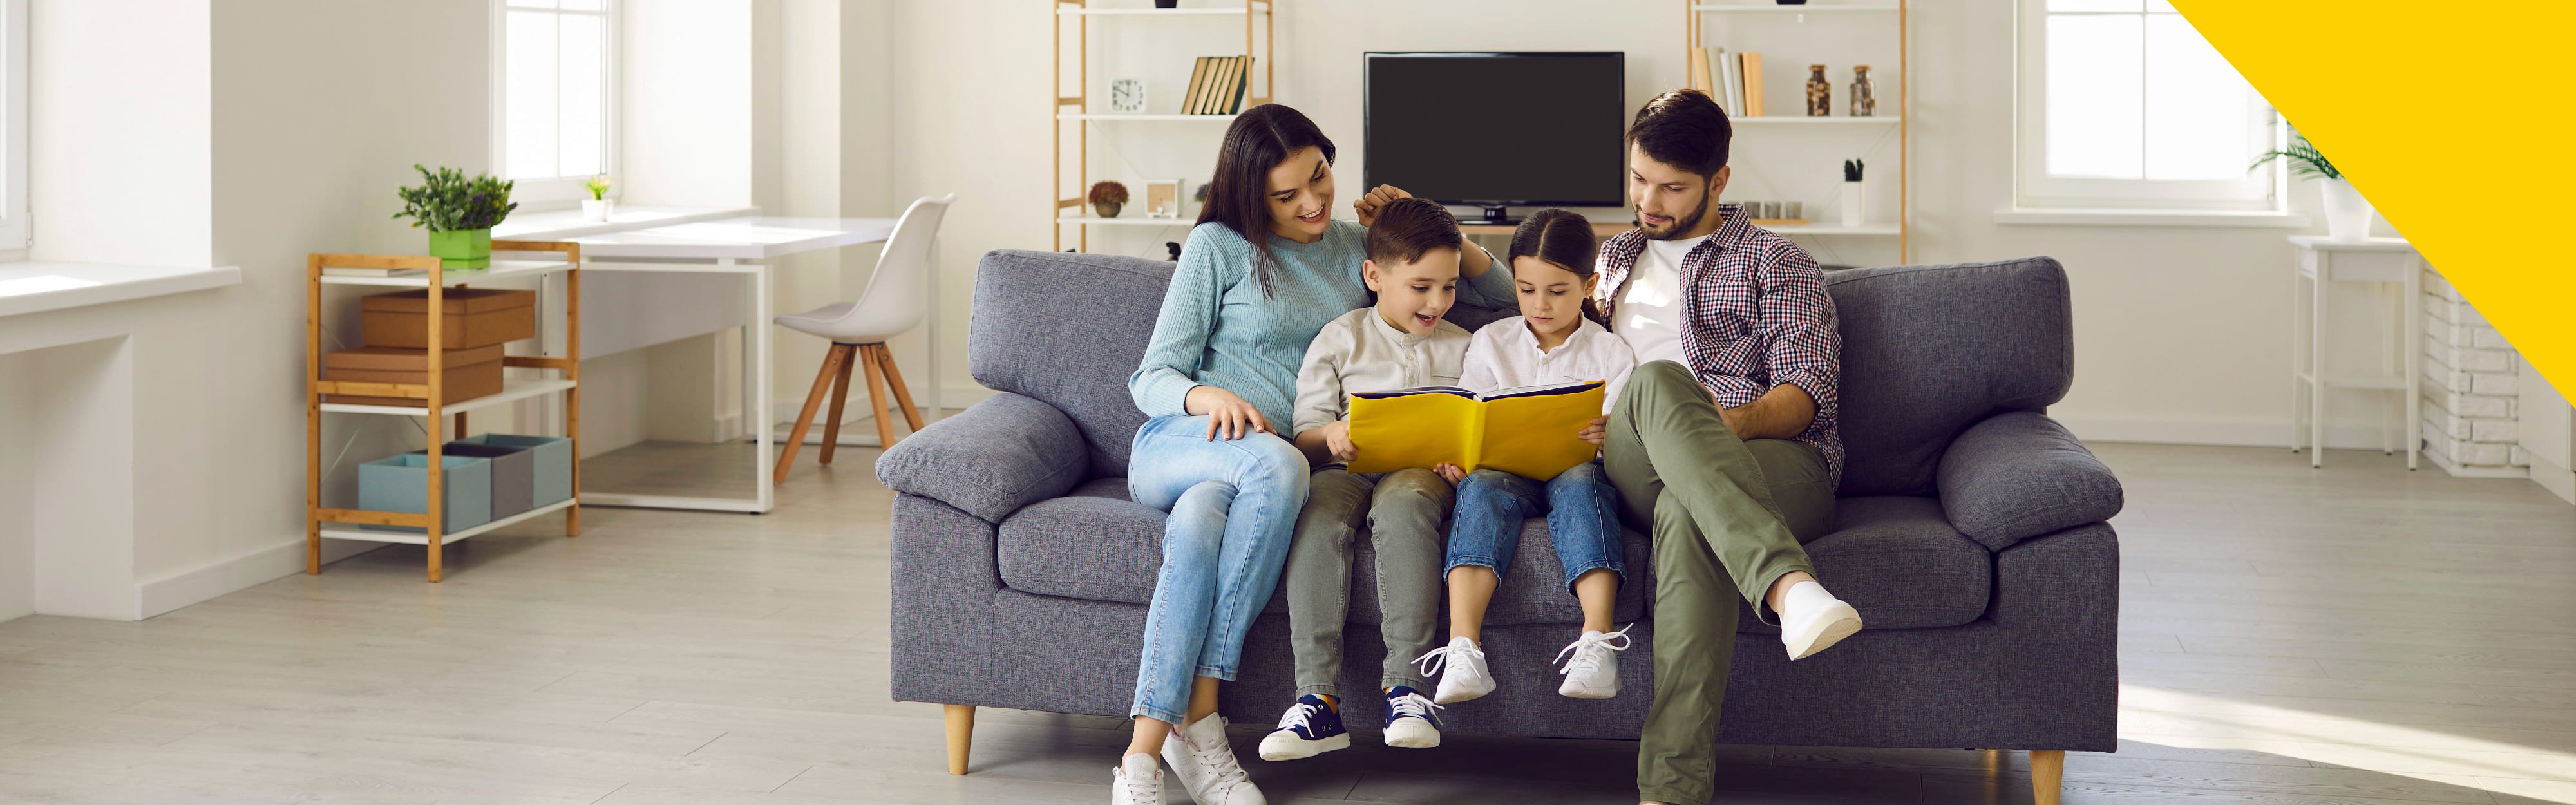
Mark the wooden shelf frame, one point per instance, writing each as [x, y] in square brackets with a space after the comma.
[1694, 13]
[1063, 210]
[434, 413]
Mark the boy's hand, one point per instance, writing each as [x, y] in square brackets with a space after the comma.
[1593, 431]
[1368, 205]
[1337, 438]
[1451, 473]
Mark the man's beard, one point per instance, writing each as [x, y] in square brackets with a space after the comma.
[1680, 225]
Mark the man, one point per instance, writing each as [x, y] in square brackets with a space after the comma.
[1722, 445]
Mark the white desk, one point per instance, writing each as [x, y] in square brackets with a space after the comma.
[726, 249]
[2390, 262]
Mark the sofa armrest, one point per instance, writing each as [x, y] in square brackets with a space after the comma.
[2019, 475]
[989, 460]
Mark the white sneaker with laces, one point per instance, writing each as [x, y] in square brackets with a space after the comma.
[1411, 720]
[1593, 670]
[1461, 666]
[1199, 755]
[1137, 780]
[1812, 620]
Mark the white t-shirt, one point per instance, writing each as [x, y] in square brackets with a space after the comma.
[1649, 313]
[1505, 355]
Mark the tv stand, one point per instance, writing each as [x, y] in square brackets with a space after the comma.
[1493, 216]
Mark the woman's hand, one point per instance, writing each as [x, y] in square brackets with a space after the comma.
[1227, 414]
[1368, 205]
[1451, 473]
[1337, 440]
[1593, 431]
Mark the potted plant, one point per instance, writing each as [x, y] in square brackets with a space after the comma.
[1108, 197]
[459, 214]
[2347, 213]
[598, 205]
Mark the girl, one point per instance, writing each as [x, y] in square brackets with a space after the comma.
[1557, 338]
[1263, 271]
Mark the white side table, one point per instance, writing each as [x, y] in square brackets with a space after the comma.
[2393, 264]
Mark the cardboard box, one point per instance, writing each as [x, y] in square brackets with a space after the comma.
[470, 317]
[470, 373]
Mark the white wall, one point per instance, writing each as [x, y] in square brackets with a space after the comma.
[2181, 333]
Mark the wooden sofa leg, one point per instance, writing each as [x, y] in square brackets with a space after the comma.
[961, 733]
[2047, 769]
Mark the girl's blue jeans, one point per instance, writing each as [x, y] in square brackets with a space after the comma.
[1233, 506]
[1582, 513]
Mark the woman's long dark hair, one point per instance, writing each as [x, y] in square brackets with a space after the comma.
[1565, 239]
[1238, 193]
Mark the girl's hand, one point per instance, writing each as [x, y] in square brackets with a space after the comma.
[1593, 431]
[1228, 415]
[1337, 439]
[1450, 473]
[1368, 205]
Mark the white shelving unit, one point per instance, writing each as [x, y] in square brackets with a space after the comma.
[1828, 7]
[1259, 26]
[1846, 12]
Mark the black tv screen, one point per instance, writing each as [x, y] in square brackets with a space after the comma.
[1497, 129]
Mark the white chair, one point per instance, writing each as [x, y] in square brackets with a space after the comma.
[891, 304]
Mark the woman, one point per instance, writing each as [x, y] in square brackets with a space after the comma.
[1265, 268]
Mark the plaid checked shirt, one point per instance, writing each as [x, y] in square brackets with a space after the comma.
[1755, 316]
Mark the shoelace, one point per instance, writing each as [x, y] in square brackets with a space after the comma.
[1413, 704]
[1590, 658]
[1223, 771]
[1140, 789]
[1438, 658]
[1300, 718]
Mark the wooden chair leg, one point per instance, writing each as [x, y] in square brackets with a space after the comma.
[902, 395]
[877, 396]
[840, 394]
[961, 733]
[805, 419]
[2047, 772]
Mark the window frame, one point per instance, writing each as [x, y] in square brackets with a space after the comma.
[2035, 189]
[558, 191]
[17, 228]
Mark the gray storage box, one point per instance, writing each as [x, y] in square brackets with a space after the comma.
[401, 484]
[550, 460]
[514, 472]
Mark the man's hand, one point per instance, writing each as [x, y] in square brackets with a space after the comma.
[1376, 199]
[1594, 430]
[1736, 421]
[1451, 473]
[1337, 440]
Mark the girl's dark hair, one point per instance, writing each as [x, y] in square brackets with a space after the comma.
[1238, 193]
[1564, 239]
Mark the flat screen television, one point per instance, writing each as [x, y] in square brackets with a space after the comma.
[1497, 130]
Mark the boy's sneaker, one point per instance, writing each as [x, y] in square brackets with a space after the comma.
[1137, 780]
[1310, 727]
[1199, 756]
[1461, 666]
[1812, 620]
[1592, 672]
[1410, 722]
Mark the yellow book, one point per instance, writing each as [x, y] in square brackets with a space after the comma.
[1529, 432]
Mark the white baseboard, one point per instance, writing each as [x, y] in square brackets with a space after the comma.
[2558, 480]
[2222, 432]
[953, 398]
[241, 572]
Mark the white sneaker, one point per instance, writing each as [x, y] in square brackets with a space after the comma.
[1136, 780]
[1310, 727]
[1593, 671]
[1410, 720]
[1199, 755]
[1461, 666]
[1812, 620]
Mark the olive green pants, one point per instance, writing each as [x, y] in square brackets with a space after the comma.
[1403, 510]
[1728, 517]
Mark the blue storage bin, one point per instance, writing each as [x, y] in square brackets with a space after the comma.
[552, 461]
[401, 484]
[514, 472]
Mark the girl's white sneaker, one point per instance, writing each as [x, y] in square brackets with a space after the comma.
[1592, 665]
[1199, 755]
[1461, 666]
[1137, 780]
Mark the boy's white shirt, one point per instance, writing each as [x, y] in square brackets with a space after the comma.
[1360, 352]
[1505, 354]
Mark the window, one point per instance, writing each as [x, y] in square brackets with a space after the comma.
[15, 229]
[554, 104]
[2124, 106]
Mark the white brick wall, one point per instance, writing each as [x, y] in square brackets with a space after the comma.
[2470, 386]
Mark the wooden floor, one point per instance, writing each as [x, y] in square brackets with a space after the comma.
[2348, 636]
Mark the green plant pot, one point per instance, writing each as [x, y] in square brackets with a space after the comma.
[462, 248]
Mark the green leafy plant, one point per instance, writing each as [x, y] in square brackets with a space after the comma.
[2304, 159]
[446, 201]
[598, 187]
[1108, 193]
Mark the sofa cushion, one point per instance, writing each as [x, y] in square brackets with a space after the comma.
[1930, 350]
[1898, 561]
[2020, 475]
[1092, 544]
[1025, 339]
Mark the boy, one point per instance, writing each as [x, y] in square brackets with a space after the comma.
[1401, 342]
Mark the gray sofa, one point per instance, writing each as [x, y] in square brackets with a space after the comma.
[1970, 533]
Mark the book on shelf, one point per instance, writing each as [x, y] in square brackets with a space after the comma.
[1221, 86]
[1198, 76]
[1752, 80]
[1699, 73]
[1217, 85]
[1725, 88]
[1242, 85]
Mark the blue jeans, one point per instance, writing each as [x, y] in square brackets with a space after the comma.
[1233, 508]
[1582, 513]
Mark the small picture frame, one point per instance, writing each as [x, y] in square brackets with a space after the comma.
[1163, 198]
